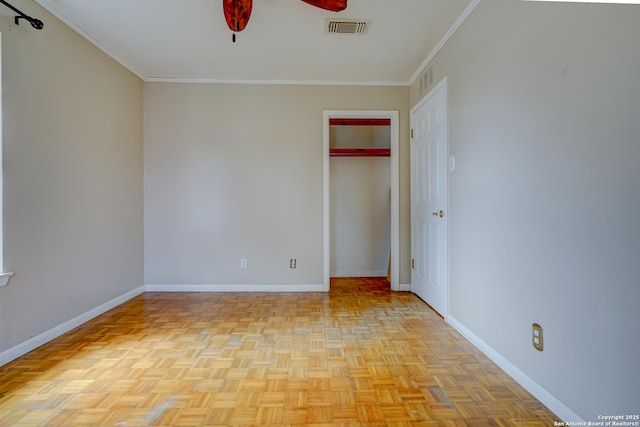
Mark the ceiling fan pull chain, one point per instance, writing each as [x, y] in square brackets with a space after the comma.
[237, 14]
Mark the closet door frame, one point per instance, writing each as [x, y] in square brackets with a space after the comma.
[393, 116]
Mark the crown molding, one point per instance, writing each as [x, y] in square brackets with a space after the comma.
[458, 22]
[274, 82]
[50, 7]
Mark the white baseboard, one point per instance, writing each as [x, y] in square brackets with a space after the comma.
[367, 273]
[404, 287]
[248, 288]
[233, 288]
[53, 333]
[539, 392]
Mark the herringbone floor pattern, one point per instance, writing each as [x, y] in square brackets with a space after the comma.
[359, 355]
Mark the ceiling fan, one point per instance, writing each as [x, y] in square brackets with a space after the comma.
[238, 12]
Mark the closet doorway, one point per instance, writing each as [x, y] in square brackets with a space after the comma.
[346, 167]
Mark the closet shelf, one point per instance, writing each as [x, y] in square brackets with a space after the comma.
[359, 122]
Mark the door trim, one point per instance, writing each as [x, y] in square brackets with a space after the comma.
[394, 116]
[442, 84]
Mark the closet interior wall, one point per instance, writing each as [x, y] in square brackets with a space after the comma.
[360, 202]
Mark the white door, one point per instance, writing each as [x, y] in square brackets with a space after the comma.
[429, 199]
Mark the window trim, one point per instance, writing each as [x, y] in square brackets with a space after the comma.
[4, 275]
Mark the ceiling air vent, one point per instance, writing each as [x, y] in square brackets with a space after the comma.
[347, 26]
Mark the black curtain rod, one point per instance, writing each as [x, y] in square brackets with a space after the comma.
[35, 23]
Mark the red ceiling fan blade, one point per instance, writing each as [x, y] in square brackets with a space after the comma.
[237, 13]
[332, 5]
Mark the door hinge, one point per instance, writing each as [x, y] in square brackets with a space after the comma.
[413, 263]
[411, 133]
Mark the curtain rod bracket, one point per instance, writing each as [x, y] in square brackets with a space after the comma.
[35, 23]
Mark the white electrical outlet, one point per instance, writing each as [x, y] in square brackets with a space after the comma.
[292, 263]
[536, 337]
[243, 264]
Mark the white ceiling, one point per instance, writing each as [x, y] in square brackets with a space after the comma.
[285, 40]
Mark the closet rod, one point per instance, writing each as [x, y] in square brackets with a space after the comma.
[359, 152]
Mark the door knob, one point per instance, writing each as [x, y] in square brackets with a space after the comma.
[440, 213]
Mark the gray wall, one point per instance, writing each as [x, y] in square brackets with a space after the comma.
[544, 108]
[235, 171]
[72, 147]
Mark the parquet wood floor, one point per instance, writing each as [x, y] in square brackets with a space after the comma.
[359, 355]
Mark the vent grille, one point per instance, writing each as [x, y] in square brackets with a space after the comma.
[427, 79]
[347, 26]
